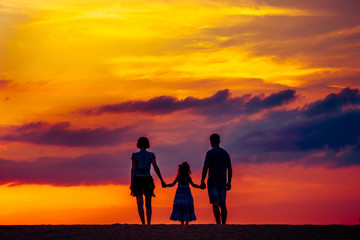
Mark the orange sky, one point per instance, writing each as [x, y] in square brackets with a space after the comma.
[80, 81]
[265, 194]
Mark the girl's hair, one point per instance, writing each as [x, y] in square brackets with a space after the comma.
[143, 142]
[184, 170]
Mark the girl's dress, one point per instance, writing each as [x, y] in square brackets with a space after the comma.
[183, 208]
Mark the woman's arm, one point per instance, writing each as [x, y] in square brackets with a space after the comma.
[157, 170]
[193, 184]
[133, 169]
[172, 184]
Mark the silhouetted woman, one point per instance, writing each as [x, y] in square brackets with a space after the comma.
[141, 181]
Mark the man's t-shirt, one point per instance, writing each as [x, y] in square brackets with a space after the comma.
[218, 160]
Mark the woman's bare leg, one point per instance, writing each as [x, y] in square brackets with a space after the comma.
[140, 205]
[148, 208]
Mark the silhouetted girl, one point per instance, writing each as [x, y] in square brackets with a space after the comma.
[183, 209]
[141, 181]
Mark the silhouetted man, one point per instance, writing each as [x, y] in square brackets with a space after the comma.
[218, 162]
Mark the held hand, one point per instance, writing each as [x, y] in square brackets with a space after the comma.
[163, 184]
[203, 185]
[228, 186]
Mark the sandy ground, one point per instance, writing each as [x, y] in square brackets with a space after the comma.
[170, 232]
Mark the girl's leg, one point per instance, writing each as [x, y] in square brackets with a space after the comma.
[148, 208]
[140, 204]
[187, 222]
[182, 222]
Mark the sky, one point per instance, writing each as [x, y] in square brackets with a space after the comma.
[81, 81]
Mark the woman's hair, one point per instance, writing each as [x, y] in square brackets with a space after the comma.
[143, 142]
[184, 170]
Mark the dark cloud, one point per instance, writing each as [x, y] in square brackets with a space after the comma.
[90, 169]
[330, 126]
[257, 103]
[325, 132]
[333, 132]
[98, 168]
[334, 102]
[61, 134]
[218, 104]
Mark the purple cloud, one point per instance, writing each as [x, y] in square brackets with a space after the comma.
[334, 102]
[218, 104]
[97, 168]
[328, 126]
[90, 169]
[325, 137]
[61, 134]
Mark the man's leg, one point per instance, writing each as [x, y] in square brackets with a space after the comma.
[223, 213]
[216, 211]
[140, 205]
[148, 208]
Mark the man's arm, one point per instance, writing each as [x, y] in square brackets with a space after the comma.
[229, 168]
[204, 173]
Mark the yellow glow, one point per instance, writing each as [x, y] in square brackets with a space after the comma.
[63, 55]
[67, 41]
[42, 197]
[43, 204]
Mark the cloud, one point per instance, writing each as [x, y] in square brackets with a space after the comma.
[218, 104]
[352, 7]
[334, 133]
[61, 134]
[97, 168]
[276, 99]
[325, 132]
[270, 28]
[329, 126]
[318, 40]
[334, 102]
[90, 169]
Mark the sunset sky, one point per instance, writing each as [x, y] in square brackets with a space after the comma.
[81, 81]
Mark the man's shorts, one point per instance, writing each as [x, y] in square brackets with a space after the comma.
[217, 195]
[143, 185]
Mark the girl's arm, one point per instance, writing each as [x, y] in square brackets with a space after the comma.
[193, 184]
[172, 184]
[157, 170]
